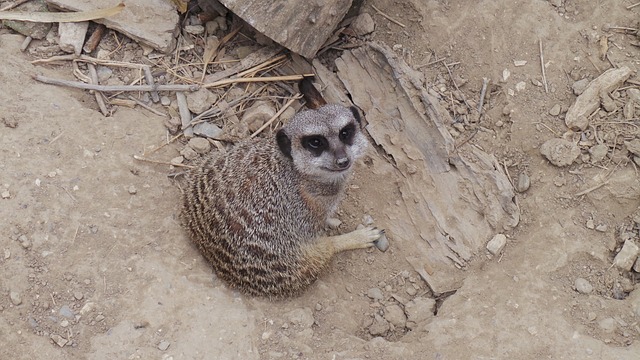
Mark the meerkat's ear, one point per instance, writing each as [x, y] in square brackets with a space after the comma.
[284, 143]
[356, 114]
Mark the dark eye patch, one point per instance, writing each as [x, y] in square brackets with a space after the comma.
[346, 134]
[316, 144]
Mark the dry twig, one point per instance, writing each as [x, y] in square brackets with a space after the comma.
[544, 75]
[114, 88]
[94, 80]
[274, 117]
[140, 158]
[592, 188]
[387, 16]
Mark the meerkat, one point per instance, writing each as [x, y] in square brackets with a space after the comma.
[257, 211]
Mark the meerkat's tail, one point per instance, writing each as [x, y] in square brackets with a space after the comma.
[311, 95]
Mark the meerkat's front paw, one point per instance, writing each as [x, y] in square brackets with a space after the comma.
[376, 237]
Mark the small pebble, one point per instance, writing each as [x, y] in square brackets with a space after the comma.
[334, 223]
[6, 194]
[499, 123]
[163, 345]
[411, 291]
[318, 307]
[592, 316]
[194, 29]
[200, 145]
[524, 182]
[627, 255]
[367, 220]
[59, 340]
[591, 224]
[177, 160]
[496, 244]
[555, 110]
[132, 190]
[382, 243]
[375, 294]
[583, 286]
[64, 323]
[602, 228]
[518, 63]
[78, 295]
[99, 317]
[16, 298]
[7, 254]
[608, 325]
[165, 101]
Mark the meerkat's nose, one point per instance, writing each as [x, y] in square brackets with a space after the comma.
[342, 162]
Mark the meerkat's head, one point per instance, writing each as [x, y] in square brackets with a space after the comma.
[325, 142]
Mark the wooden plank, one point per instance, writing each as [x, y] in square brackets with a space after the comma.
[300, 26]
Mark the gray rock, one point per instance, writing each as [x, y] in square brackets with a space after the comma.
[165, 101]
[34, 29]
[636, 266]
[257, 115]
[151, 22]
[163, 345]
[634, 95]
[496, 244]
[200, 101]
[580, 86]
[104, 73]
[208, 130]
[598, 152]
[194, 29]
[302, 317]
[627, 255]
[634, 300]
[59, 340]
[419, 310]
[200, 145]
[72, 36]
[334, 223]
[633, 146]
[523, 183]
[379, 327]
[608, 325]
[375, 294]
[78, 295]
[555, 110]
[16, 298]
[556, 3]
[363, 24]
[607, 102]
[560, 152]
[583, 286]
[66, 311]
[211, 27]
[188, 153]
[287, 114]
[395, 315]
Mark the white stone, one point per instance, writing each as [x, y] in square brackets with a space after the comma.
[363, 24]
[627, 255]
[583, 286]
[496, 244]
[72, 36]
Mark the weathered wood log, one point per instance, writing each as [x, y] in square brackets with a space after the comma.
[300, 26]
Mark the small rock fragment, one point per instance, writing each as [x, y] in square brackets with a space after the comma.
[66, 311]
[602, 228]
[194, 29]
[598, 152]
[177, 160]
[5, 194]
[16, 298]
[556, 3]
[132, 190]
[72, 36]
[375, 294]
[580, 86]
[200, 145]
[419, 310]
[99, 317]
[410, 290]
[583, 286]
[505, 75]
[7, 254]
[519, 63]
[634, 95]
[496, 244]
[521, 86]
[607, 102]
[78, 295]
[59, 340]
[395, 315]
[590, 224]
[633, 146]
[87, 308]
[188, 153]
[165, 101]
[302, 317]
[334, 223]
[627, 255]
[636, 266]
[257, 115]
[379, 327]
[560, 152]
[608, 325]
[382, 243]
[363, 24]
[163, 345]
[200, 101]
[629, 110]
[555, 110]
[523, 183]
[208, 130]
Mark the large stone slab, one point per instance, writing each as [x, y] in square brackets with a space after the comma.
[151, 22]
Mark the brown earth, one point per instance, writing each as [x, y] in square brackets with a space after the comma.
[92, 252]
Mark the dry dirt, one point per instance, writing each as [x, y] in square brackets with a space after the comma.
[91, 251]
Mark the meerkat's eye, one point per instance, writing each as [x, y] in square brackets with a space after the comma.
[315, 144]
[346, 134]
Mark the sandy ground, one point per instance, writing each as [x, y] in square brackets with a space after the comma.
[92, 254]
